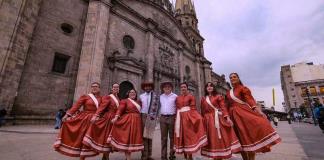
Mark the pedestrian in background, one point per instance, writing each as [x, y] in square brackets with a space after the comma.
[3, 113]
[58, 119]
[289, 119]
[275, 121]
[319, 115]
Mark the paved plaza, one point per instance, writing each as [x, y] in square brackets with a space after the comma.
[301, 141]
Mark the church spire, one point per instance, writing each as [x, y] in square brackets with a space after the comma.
[185, 7]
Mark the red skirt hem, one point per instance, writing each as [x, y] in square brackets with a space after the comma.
[124, 147]
[66, 151]
[95, 146]
[225, 154]
[192, 149]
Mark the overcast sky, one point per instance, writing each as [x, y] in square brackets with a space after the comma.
[255, 37]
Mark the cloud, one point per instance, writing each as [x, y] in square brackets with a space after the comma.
[255, 38]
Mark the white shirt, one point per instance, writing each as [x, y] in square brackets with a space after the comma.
[146, 100]
[168, 106]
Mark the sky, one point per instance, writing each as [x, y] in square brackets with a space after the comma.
[256, 37]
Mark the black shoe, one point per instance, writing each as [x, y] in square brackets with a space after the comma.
[172, 157]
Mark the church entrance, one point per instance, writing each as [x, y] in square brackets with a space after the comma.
[124, 87]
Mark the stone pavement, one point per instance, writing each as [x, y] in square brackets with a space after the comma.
[35, 143]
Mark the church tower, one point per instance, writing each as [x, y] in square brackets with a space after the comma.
[186, 15]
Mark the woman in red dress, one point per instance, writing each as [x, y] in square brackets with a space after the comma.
[76, 123]
[126, 134]
[189, 129]
[251, 125]
[98, 132]
[222, 141]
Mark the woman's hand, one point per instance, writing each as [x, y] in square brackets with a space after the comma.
[94, 119]
[229, 121]
[65, 118]
[114, 119]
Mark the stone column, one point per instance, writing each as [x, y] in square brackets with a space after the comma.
[200, 85]
[150, 51]
[207, 71]
[93, 47]
[180, 60]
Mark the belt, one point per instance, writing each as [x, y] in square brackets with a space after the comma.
[177, 124]
[167, 115]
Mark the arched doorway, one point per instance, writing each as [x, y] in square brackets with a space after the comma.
[124, 87]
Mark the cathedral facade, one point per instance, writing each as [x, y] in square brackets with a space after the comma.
[52, 50]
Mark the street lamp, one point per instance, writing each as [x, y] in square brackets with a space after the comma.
[310, 105]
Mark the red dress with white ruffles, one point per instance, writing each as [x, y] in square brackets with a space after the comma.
[253, 130]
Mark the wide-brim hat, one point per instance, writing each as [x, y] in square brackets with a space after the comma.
[144, 84]
[166, 83]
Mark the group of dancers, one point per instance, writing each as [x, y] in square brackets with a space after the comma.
[226, 125]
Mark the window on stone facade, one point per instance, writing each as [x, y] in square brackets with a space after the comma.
[187, 68]
[60, 63]
[321, 88]
[66, 28]
[312, 91]
[128, 42]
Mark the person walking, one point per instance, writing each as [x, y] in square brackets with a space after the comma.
[319, 115]
[98, 132]
[126, 133]
[3, 113]
[167, 120]
[75, 125]
[275, 120]
[251, 125]
[58, 119]
[190, 134]
[222, 141]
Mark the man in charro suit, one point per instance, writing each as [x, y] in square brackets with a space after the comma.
[150, 101]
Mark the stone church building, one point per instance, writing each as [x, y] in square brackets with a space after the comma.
[52, 50]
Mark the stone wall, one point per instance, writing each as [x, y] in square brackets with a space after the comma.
[42, 91]
[18, 20]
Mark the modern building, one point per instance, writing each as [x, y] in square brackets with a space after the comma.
[296, 79]
[51, 51]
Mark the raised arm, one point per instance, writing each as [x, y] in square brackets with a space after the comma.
[106, 101]
[248, 98]
[121, 108]
[77, 105]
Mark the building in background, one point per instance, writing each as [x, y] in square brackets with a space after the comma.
[222, 85]
[51, 51]
[296, 79]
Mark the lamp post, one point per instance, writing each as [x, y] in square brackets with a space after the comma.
[310, 105]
